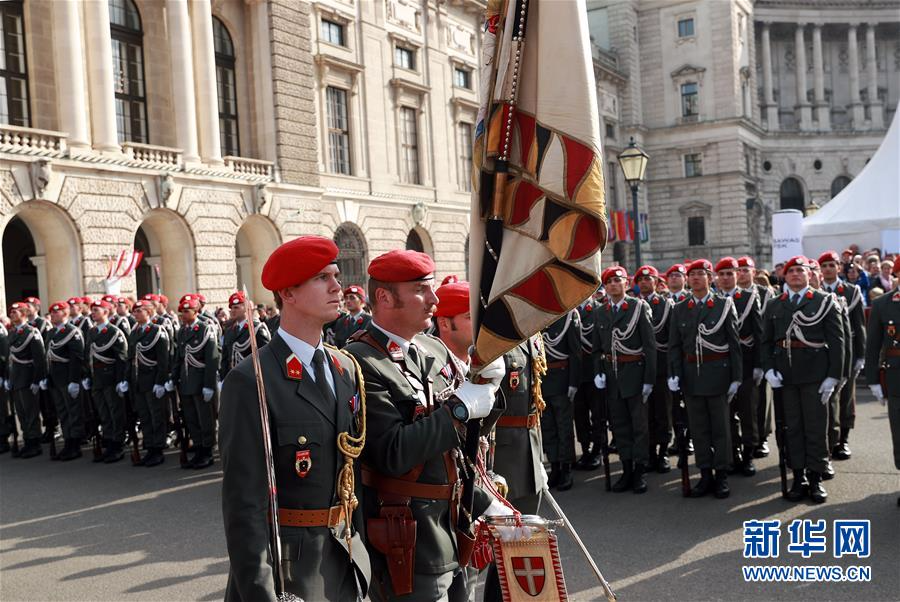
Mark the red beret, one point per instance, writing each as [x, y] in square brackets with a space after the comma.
[125, 300]
[142, 304]
[450, 279]
[19, 306]
[746, 262]
[646, 270]
[188, 302]
[86, 300]
[453, 299]
[237, 298]
[151, 297]
[201, 297]
[101, 303]
[896, 267]
[60, 306]
[798, 260]
[354, 289]
[727, 263]
[847, 252]
[74, 300]
[678, 267]
[829, 256]
[32, 300]
[297, 261]
[813, 264]
[188, 297]
[401, 266]
[615, 270]
[163, 299]
[110, 298]
[700, 264]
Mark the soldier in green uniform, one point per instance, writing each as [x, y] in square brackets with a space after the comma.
[355, 319]
[588, 400]
[829, 264]
[743, 411]
[117, 319]
[803, 354]
[705, 362]
[418, 403]
[318, 420]
[148, 357]
[883, 358]
[675, 280]
[562, 345]
[65, 365]
[236, 340]
[194, 377]
[625, 365]
[49, 419]
[7, 417]
[27, 367]
[106, 358]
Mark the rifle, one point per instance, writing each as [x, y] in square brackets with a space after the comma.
[132, 433]
[11, 422]
[94, 424]
[781, 440]
[180, 432]
[604, 438]
[681, 441]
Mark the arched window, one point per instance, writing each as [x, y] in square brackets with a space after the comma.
[792, 194]
[838, 184]
[128, 71]
[225, 83]
[13, 67]
[352, 259]
[414, 242]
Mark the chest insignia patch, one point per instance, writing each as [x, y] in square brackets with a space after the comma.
[294, 367]
[302, 463]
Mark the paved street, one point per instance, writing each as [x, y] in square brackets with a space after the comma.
[80, 531]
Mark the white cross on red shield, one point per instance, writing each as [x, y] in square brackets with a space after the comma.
[530, 574]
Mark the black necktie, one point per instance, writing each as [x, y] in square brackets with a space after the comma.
[795, 298]
[321, 380]
[414, 356]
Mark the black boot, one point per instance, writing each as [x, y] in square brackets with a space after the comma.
[639, 483]
[705, 485]
[586, 452]
[829, 471]
[626, 480]
[32, 448]
[662, 464]
[205, 458]
[566, 479]
[114, 454]
[842, 450]
[800, 488]
[154, 457]
[737, 461]
[747, 468]
[721, 488]
[105, 444]
[762, 450]
[72, 452]
[817, 493]
[553, 479]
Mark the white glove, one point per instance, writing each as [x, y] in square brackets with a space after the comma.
[774, 378]
[494, 372]
[7, 385]
[758, 375]
[170, 386]
[85, 383]
[858, 366]
[732, 390]
[877, 392]
[74, 389]
[43, 384]
[159, 391]
[572, 392]
[219, 385]
[674, 384]
[600, 381]
[478, 399]
[498, 508]
[827, 388]
[207, 393]
[122, 387]
[544, 477]
[35, 388]
[645, 392]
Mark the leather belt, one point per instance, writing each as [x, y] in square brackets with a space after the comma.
[330, 517]
[558, 364]
[707, 357]
[399, 487]
[623, 358]
[892, 352]
[522, 422]
[785, 343]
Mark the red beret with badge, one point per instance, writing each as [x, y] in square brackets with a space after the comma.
[86, 300]
[74, 300]
[101, 303]
[700, 264]
[746, 262]
[151, 297]
[401, 266]
[189, 302]
[796, 261]
[60, 306]
[237, 299]
[646, 270]
[727, 263]
[110, 298]
[677, 268]
[829, 256]
[453, 299]
[450, 279]
[144, 304]
[297, 261]
[354, 289]
[163, 299]
[615, 271]
[32, 300]
[18, 306]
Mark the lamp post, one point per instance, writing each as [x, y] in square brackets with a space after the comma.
[633, 161]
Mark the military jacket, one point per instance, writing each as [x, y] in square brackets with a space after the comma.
[236, 344]
[814, 323]
[765, 294]
[122, 323]
[346, 325]
[148, 356]
[167, 324]
[84, 323]
[855, 314]
[562, 343]
[27, 362]
[586, 315]
[660, 319]
[65, 355]
[4, 353]
[679, 296]
[625, 332]
[748, 307]
[196, 358]
[106, 355]
[704, 348]
[328, 330]
[304, 431]
[883, 343]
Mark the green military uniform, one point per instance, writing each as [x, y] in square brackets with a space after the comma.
[49, 418]
[659, 405]
[625, 352]
[587, 405]
[195, 369]
[834, 402]
[27, 367]
[347, 324]
[308, 461]
[883, 358]
[765, 393]
[802, 340]
[148, 356]
[328, 330]
[410, 469]
[705, 355]
[106, 357]
[562, 345]
[65, 368]
[7, 417]
[122, 323]
[236, 344]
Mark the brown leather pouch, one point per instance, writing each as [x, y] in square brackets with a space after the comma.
[394, 535]
[465, 543]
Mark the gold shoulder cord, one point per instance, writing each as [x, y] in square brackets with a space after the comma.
[351, 448]
[538, 370]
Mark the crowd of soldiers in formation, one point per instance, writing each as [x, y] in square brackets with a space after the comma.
[685, 362]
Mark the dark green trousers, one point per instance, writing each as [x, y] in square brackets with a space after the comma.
[764, 413]
[710, 430]
[198, 415]
[111, 411]
[745, 429]
[628, 418]
[558, 429]
[27, 410]
[893, 406]
[152, 412]
[806, 418]
[69, 411]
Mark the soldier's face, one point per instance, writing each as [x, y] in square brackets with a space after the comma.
[797, 277]
[122, 309]
[16, 315]
[646, 284]
[699, 280]
[413, 303]
[814, 279]
[238, 312]
[98, 314]
[615, 287]
[829, 270]
[745, 276]
[140, 314]
[58, 316]
[725, 279]
[457, 331]
[318, 299]
[676, 281]
[353, 303]
[74, 311]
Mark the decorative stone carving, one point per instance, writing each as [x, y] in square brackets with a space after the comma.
[263, 196]
[419, 211]
[460, 39]
[403, 13]
[41, 172]
[166, 188]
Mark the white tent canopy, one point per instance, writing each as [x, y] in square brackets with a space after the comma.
[867, 211]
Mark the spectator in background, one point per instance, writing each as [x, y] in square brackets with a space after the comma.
[885, 280]
[778, 279]
[846, 260]
[873, 266]
[762, 278]
[858, 277]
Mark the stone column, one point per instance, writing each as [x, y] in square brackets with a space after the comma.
[262, 81]
[70, 76]
[183, 79]
[205, 80]
[803, 106]
[771, 109]
[40, 263]
[823, 108]
[856, 107]
[100, 75]
[876, 113]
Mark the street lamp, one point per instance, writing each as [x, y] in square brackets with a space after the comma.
[633, 161]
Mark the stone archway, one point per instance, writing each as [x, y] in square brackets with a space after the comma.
[169, 264]
[353, 257]
[418, 239]
[42, 250]
[791, 194]
[255, 241]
